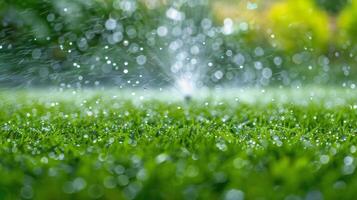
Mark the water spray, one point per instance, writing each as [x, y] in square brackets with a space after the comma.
[186, 86]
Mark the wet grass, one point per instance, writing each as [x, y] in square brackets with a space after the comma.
[96, 145]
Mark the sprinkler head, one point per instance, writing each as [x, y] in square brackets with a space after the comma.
[188, 98]
[186, 86]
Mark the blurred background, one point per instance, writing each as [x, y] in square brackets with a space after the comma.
[154, 43]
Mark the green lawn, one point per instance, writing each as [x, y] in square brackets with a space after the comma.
[274, 144]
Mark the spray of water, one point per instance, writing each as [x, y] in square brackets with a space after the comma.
[129, 44]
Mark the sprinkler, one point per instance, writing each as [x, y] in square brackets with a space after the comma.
[186, 87]
[187, 98]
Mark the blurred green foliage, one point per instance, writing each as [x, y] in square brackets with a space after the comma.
[332, 6]
[298, 25]
[348, 24]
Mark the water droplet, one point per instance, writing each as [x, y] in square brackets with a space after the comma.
[162, 31]
[110, 24]
[141, 60]
[218, 74]
[234, 194]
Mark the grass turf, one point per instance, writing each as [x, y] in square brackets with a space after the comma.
[92, 144]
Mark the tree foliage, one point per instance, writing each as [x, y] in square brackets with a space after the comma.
[332, 6]
[298, 25]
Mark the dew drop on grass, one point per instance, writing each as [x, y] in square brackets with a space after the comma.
[348, 160]
[234, 194]
[218, 75]
[267, 73]
[123, 180]
[110, 24]
[44, 160]
[278, 61]
[79, 184]
[109, 182]
[221, 146]
[324, 159]
[162, 31]
[27, 192]
[141, 60]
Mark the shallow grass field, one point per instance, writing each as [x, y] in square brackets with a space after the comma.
[238, 144]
